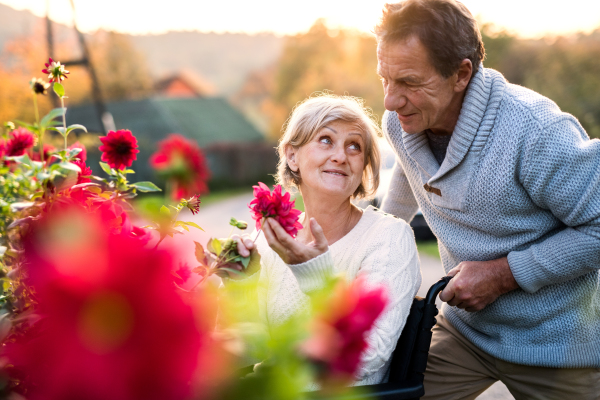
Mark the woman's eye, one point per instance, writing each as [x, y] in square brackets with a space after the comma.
[354, 146]
[325, 140]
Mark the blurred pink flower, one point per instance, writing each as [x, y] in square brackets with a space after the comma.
[182, 162]
[83, 154]
[275, 205]
[19, 141]
[119, 149]
[113, 326]
[48, 150]
[339, 334]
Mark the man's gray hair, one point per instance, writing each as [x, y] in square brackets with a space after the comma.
[445, 27]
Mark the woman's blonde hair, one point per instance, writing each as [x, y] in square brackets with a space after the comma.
[314, 113]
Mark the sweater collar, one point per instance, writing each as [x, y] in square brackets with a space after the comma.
[477, 115]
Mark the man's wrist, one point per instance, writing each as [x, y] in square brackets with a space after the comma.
[508, 280]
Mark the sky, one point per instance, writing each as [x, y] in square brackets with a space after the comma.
[528, 18]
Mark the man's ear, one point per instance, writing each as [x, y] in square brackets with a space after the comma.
[465, 71]
[290, 155]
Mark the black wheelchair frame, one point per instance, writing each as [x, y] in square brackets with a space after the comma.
[409, 359]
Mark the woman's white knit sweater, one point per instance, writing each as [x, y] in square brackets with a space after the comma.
[382, 249]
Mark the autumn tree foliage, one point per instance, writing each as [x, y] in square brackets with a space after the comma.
[344, 61]
[121, 71]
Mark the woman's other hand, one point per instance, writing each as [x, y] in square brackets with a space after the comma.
[292, 251]
[245, 248]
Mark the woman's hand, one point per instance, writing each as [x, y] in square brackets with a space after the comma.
[245, 248]
[291, 251]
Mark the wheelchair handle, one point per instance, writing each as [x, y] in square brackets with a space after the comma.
[436, 289]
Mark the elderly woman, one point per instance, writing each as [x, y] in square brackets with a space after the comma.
[329, 153]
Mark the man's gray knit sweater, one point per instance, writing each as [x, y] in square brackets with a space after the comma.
[520, 179]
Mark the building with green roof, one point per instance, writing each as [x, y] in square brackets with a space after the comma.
[236, 151]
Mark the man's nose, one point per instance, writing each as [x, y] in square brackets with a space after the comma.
[394, 99]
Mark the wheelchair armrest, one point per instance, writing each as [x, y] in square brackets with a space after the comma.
[382, 391]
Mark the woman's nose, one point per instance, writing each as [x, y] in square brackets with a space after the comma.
[339, 154]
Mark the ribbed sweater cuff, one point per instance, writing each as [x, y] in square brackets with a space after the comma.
[525, 270]
[312, 274]
[241, 291]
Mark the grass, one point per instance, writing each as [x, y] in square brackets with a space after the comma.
[429, 248]
[149, 205]
[220, 195]
[299, 205]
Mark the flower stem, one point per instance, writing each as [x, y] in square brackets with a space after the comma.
[62, 104]
[159, 240]
[40, 132]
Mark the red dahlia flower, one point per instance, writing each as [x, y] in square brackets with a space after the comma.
[181, 162]
[275, 205]
[113, 325]
[86, 172]
[339, 334]
[55, 71]
[119, 149]
[19, 141]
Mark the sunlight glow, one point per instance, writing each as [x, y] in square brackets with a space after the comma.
[528, 18]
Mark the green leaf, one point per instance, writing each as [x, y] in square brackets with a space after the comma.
[106, 168]
[26, 125]
[146, 187]
[165, 211]
[59, 89]
[231, 270]
[69, 166]
[71, 128]
[53, 114]
[58, 129]
[216, 246]
[193, 224]
[38, 194]
[199, 253]
[129, 171]
[246, 261]
[73, 152]
[24, 159]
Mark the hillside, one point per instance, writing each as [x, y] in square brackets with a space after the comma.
[223, 59]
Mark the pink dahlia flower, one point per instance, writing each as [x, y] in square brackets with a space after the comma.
[119, 149]
[275, 205]
[19, 141]
[180, 161]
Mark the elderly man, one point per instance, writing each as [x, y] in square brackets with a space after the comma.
[510, 185]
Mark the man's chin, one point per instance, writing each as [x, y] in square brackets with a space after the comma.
[411, 129]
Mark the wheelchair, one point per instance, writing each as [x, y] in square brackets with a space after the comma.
[409, 359]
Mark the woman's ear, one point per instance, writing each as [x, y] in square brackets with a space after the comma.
[290, 155]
